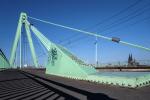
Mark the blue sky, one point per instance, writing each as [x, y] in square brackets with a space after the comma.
[127, 19]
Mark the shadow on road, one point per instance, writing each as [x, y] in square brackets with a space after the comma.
[89, 95]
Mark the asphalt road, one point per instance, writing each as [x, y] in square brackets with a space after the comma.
[20, 85]
[96, 90]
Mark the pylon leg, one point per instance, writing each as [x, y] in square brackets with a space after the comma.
[17, 37]
[31, 45]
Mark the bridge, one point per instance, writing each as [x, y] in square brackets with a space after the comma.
[61, 64]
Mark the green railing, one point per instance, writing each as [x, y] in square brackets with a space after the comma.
[4, 63]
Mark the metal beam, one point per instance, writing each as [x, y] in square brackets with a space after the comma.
[22, 18]
[31, 44]
[41, 37]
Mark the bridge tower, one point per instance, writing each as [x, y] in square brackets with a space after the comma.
[22, 22]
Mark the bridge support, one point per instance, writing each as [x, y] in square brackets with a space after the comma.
[22, 20]
[61, 62]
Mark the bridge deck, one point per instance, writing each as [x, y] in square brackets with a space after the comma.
[116, 92]
[20, 85]
[35, 85]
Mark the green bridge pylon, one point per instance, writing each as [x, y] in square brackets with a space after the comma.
[22, 21]
[4, 63]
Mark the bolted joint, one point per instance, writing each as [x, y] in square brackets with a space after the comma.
[23, 17]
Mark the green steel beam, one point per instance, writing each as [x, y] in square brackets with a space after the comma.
[22, 19]
[60, 61]
[31, 44]
[41, 37]
[4, 63]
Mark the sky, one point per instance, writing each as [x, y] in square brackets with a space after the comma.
[128, 20]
